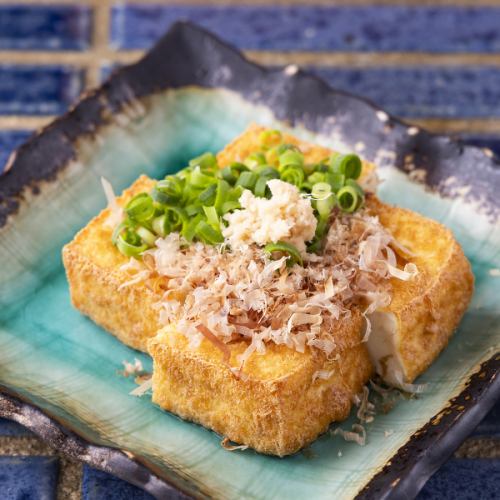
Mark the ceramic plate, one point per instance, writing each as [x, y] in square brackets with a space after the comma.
[192, 93]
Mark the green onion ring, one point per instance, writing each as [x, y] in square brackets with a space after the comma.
[293, 174]
[286, 248]
[140, 208]
[349, 165]
[348, 199]
[146, 236]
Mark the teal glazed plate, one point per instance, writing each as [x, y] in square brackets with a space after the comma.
[192, 93]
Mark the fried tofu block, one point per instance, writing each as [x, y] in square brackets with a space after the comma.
[95, 279]
[278, 406]
[425, 311]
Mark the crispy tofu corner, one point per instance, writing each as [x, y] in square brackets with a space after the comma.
[277, 408]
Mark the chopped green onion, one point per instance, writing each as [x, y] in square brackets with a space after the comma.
[291, 157]
[349, 199]
[189, 228]
[194, 200]
[207, 197]
[316, 177]
[212, 217]
[208, 234]
[324, 199]
[118, 230]
[247, 180]
[130, 244]
[227, 174]
[169, 190]
[310, 168]
[254, 160]
[229, 206]
[285, 248]
[294, 174]
[204, 161]
[267, 171]
[261, 188]
[287, 147]
[160, 226]
[199, 179]
[140, 208]
[321, 190]
[348, 165]
[239, 167]
[236, 192]
[192, 210]
[176, 217]
[336, 181]
[319, 235]
[270, 138]
[146, 235]
[223, 190]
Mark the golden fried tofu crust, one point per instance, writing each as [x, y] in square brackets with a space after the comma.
[277, 406]
[428, 308]
[92, 266]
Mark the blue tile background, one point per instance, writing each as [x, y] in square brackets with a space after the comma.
[98, 485]
[366, 28]
[28, 478]
[11, 428]
[424, 92]
[28, 27]
[38, 90]
[471, 479]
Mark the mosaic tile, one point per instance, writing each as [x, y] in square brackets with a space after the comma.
[98, 485]
[10, 428]
[361, 28]
[38, 90]
[47, 27]
[463, 479]
[423, 91]
[28, 478]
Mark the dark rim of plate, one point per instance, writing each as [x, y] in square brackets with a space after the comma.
[188, 55]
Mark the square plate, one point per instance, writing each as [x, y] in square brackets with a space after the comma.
[192, 93]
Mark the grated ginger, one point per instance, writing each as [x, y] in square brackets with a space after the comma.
[286, 216]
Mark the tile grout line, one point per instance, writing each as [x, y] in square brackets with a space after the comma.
[371, 59]
[265, 57]
[20, 122]
[100, 40]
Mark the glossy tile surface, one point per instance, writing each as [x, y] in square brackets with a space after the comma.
[360, 28]
[474, 479]
[98, 485]
[44, 27]
[38, 90]
[423, 92]
[28, 478]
